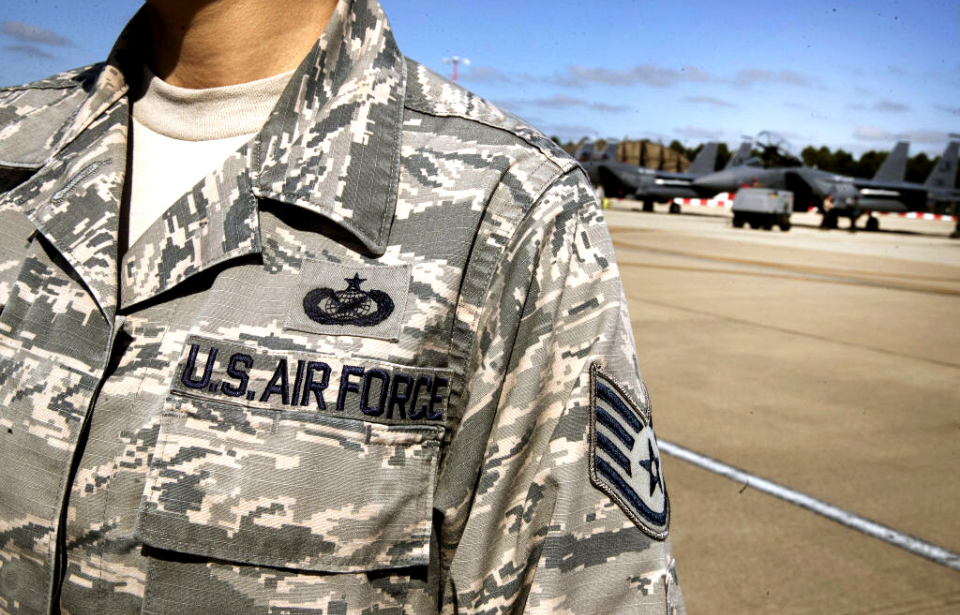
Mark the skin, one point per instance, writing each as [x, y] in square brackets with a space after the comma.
[213, 43]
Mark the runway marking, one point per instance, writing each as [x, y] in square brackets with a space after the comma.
[889, 535]
[784, 330]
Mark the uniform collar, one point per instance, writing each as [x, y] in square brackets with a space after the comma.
[331, 145]
[332, 142]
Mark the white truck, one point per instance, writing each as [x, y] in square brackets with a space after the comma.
[762, 208]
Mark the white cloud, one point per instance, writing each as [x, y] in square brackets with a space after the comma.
[950, 110]
[751, 76]
[646, 74]
[710, 101]
[697, 132]
[888, 106]
[485, 74]
[28, 50]
[872, 133]
[569, 131]
[562, 101]
[27, 33]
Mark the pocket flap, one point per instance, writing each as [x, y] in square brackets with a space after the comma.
[290, 489]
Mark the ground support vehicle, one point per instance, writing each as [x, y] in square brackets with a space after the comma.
[762, 208]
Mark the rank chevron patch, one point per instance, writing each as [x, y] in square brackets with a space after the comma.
[624, 459]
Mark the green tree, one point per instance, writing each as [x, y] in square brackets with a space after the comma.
[678, 147]
[869, 163]
[919, 167]
[723, 156]
[843, 163]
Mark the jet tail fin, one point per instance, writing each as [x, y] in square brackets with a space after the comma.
[742, 154]
[944, 175]
[894, 168]
[584, 152]
[610, 151]
[705, 161]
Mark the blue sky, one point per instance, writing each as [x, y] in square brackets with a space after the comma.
[842, 74]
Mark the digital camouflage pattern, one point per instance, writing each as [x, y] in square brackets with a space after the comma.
[442, 465]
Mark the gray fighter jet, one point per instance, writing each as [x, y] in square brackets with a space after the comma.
[621, 179]
[894, 167]
[849, 197]
[941, 184]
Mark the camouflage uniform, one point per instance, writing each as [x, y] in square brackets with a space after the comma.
[362, 367]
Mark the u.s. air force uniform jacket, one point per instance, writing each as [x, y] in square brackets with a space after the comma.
[379, 361]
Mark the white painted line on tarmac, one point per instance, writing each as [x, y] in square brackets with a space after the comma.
[889, 535]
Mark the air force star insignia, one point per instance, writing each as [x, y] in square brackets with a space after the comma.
[624, 459]
[350, 306]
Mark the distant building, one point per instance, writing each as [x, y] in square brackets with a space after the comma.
[652, 155]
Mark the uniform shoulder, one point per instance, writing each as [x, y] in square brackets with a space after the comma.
[69, 79]
[32, 115]
[432, 94]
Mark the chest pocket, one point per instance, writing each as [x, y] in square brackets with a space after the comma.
[278, 500]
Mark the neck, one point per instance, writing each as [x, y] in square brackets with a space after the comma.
[225, 42]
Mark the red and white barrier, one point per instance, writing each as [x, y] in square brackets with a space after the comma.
[918, 215]
[724, 199]
[912, 215]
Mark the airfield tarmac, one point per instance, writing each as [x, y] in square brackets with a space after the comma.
[824, 361]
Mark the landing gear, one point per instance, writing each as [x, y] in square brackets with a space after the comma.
[830, 220]
[873, 225]
[648, 205]
[674, 208]
[854, 216]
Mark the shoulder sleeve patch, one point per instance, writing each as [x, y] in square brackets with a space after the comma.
[624, 458]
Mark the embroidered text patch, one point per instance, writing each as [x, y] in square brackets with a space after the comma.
[343, 299]
[297, 381]
[624, 459]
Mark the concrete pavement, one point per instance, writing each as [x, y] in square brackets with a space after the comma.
[824, 361]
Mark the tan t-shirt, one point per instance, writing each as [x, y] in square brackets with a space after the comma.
[179, 135]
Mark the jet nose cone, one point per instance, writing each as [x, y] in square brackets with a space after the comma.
[714, 183]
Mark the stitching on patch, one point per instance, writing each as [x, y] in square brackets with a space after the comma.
[595, 478]
[84, 173]
[350, 306]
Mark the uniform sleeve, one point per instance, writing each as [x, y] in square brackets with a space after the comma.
[569, 512]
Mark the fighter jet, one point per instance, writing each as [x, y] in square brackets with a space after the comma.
[941, 184]
[650, 185]
[849, 197]
[894, 167]
[742, 155]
